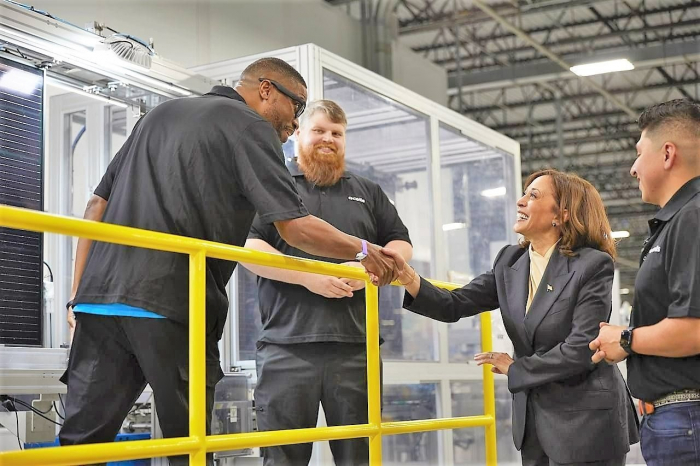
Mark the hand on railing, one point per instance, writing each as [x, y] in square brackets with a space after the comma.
[356, 285]
[326, 286]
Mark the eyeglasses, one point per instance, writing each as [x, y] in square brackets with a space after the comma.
[299, 103]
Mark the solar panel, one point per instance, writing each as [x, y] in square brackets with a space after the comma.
[21, 185]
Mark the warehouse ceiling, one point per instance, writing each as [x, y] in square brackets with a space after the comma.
[507, 65]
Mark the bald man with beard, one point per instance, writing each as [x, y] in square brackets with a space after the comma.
[312, 346]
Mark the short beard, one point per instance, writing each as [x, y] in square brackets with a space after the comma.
[277, 122]
[320, 169]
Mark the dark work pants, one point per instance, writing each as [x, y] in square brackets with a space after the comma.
[533, 454]
[111, 361]
[293, 379]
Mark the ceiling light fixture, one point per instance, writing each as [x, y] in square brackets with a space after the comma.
[453, 226]
[494, 192]
[620, 234]
[601, 67]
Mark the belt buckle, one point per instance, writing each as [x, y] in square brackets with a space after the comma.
[645, 408]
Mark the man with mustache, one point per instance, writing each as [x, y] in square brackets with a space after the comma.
[311, 347]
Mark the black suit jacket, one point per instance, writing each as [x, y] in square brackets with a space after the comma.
[583, 412]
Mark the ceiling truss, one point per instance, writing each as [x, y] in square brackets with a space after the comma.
[507, 63]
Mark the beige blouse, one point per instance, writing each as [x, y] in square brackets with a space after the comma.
[538, 264]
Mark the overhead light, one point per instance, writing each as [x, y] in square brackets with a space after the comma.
[126, 49]
[20, 81]
[453, 226]
[78, 90]
[620, 234]
[494, 192]
[624, 291]
[601, 67]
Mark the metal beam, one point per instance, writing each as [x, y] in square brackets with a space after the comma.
[673, 82]
[573, 24]
[474, 16]
[593, 52]
[670, 82]
[520, 74]
[546, 52]
[584, 140]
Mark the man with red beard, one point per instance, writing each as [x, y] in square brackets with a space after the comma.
[311, 347]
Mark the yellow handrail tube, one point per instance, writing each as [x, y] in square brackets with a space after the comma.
[197, 350]
[374, 401]
[489, 390]
[198, 444]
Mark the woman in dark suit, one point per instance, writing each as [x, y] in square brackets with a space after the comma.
[553, 289]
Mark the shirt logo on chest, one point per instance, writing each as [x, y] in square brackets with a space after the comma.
[654, 249]
[356, 199]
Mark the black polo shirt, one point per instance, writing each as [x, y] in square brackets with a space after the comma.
[293, 314]
[199, 167]
[668, 285]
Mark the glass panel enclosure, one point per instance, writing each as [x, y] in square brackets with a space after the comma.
[467, 400]
[409, 402]
[389, 144]
[478, 211]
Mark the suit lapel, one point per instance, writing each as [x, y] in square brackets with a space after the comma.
[517, 278]
[555, 278]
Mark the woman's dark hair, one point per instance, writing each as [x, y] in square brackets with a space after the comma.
[584, 222]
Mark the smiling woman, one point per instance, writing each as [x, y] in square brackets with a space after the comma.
[567, 207]
[553, 289]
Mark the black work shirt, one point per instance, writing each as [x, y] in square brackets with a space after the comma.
[198, 167]
[668, 285]
[291, 313]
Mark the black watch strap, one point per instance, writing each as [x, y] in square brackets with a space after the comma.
[626, 340]
[69, 305]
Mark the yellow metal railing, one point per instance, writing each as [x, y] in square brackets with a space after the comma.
[198, 444]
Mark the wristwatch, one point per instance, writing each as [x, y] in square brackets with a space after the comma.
[626, 340]
[362, 255]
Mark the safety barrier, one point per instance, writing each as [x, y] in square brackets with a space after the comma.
[198, 443]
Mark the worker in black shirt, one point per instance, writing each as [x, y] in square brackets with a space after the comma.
[199, 167]
[312, 346]
[662, 345]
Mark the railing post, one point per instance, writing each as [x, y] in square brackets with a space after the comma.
[197, 442]
[197, 355]
[489, 390]
[374, 400]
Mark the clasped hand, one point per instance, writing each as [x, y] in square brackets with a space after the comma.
[334, 287]
[607, 344]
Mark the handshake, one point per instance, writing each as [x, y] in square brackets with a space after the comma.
[383, 265]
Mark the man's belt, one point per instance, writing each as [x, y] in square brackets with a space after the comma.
[680, 396]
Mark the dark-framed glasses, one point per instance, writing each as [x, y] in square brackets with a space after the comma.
[299, 103]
